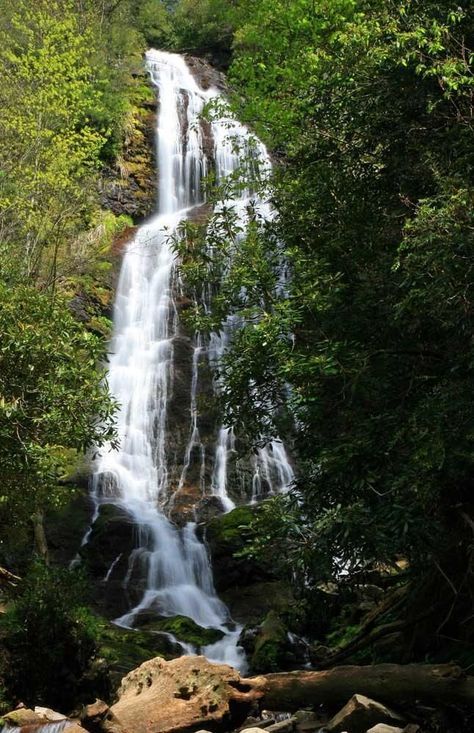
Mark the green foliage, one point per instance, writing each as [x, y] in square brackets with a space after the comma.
[49, 639]
[155, 23]
[48, 363]
[73, 66]
[202, 26]
[368, 107]
[52, 134]
[342, 636]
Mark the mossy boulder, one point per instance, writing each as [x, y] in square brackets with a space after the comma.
[270, 647]
[270, 643]
[250, 604]
[22, 718]
[106, 559]
[226, 536]
[184, 629]
[112, 533]
[124, 649]
[66, 526]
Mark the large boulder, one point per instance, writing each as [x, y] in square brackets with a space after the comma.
[225, 536]
[124, 650]
[250, 604]
[271, 648]
[65, 526]
[179, 697]
[360, 714]
[23, 717]
[182, 627]
[108, 559]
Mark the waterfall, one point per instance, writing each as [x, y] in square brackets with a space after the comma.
[54, 727]
[138, 476]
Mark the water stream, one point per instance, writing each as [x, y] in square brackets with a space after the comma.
[136, 477]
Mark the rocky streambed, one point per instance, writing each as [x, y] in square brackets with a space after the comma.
[191, 695]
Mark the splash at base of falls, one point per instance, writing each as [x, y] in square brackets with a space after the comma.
[171, 563]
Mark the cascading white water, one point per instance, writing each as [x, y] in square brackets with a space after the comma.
[136, 476]
[272, 471]
[55, 727]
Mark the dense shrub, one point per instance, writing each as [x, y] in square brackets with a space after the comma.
[48, 639]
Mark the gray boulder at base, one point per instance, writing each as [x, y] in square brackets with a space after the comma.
[384, 728]
[283, 726]
[23, 717]
[360, 713]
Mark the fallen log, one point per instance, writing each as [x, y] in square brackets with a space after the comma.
[189, 693]
[389, 683]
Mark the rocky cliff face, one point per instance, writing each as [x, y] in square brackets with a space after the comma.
[128, 186]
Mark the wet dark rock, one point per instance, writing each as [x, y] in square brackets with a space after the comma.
[206, 75]
[106, 558]
[360, 714]
[129, 186]
[283, 726]
[260, 723]
[225, 536]
[271, 648]
[181, 507]
[208, 508]
[66, 526]
[121, 241]
[200, 214]
[111, 534]
[307, 721]
[79, 306]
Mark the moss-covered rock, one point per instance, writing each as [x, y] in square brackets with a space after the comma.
[124, 650]
[184, 629]
[128, 186]
[227, 530]
[250, 604]
[270, 645]
[226, 536]
[23, 717]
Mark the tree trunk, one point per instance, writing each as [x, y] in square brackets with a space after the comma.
[389, 683]
[41, 543]
[7, 578]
